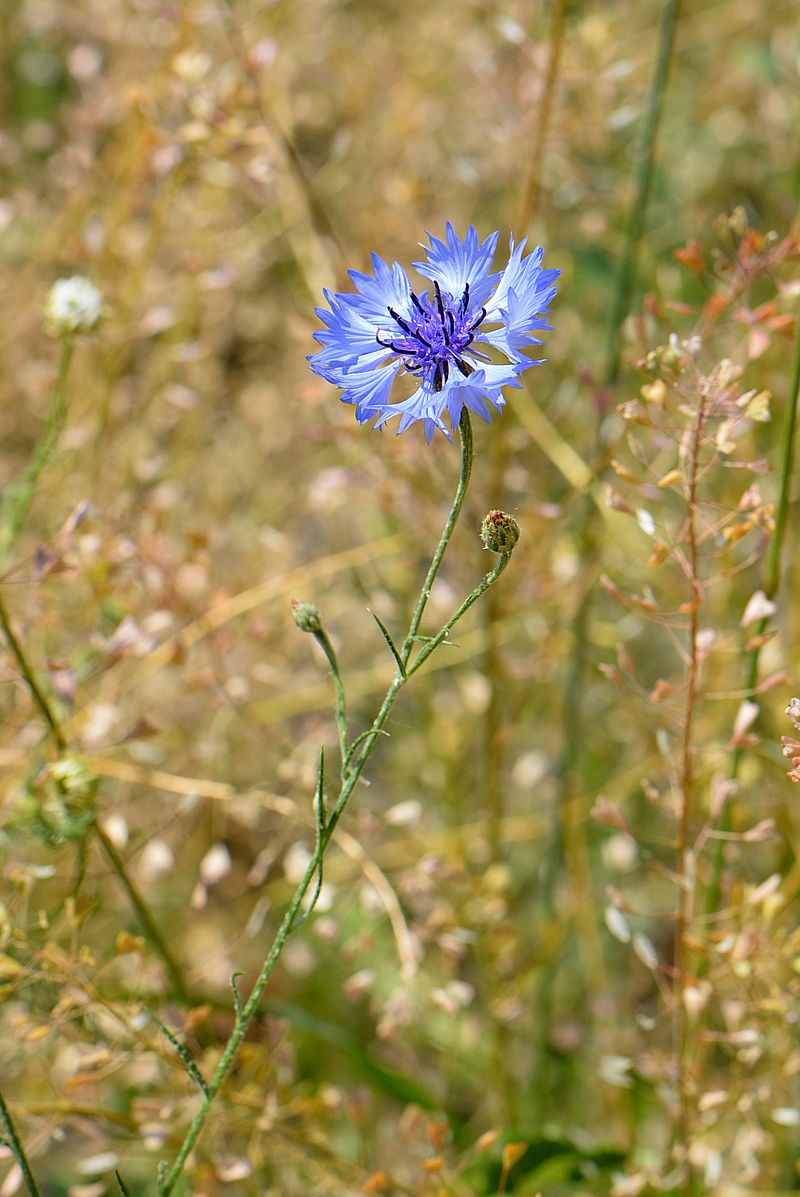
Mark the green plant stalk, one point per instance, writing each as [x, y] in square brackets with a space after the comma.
[323, 641]
[19, 495]
[533, 189]
[9, 1133]
[644, 179]
[465, 434]
[14, 510]
[144, 914]
[772, 577]
[352, 775]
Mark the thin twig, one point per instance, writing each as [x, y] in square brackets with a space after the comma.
[685, 884]
[770, 585]
[9, 1133]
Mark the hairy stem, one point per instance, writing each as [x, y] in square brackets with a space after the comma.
[683, 855]
[465, 434]
[323, 641]
[771, 582]
[356, 762]
[9, 1134]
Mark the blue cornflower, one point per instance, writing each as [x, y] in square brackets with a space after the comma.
[439, 336]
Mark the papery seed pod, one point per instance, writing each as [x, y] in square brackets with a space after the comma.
[499, 532]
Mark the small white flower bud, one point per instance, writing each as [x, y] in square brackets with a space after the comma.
[74, 305]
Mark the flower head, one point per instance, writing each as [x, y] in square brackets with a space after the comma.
[449, 337]
[74, 305]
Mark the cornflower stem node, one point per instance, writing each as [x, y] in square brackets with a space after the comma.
[8, 1135]
[354, 758]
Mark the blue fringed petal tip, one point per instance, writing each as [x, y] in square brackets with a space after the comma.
[439, 335]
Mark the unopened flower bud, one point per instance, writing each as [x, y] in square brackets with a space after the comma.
[306, 616]
[73, 305]
[499, 532]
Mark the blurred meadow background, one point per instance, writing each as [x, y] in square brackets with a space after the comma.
[482, 1000]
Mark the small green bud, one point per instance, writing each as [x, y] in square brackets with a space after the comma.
[306, 616]
[499, 532]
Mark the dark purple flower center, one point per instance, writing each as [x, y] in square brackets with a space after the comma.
[434, 335]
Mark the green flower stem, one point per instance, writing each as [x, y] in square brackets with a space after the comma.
[323, 641]
[9, 1134]
[772, 577]
[465, 433]
[352, 773]
[144, 914]
[487, 581]
[19, 496]
[14, 510]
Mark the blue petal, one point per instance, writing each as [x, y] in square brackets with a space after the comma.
[455, 263]
[523, 294]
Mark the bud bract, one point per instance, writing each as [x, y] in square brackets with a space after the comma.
[499, 532]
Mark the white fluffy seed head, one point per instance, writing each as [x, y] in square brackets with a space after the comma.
[73, 306]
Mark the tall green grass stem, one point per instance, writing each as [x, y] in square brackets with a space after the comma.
[644, 179]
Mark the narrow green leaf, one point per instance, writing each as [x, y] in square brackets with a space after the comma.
[387, 637]
[191, 1067]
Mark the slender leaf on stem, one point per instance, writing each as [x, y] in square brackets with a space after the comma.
[8, 1134]
[387, 637]
[237, 997]
[191, 1067]
[359, 740]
